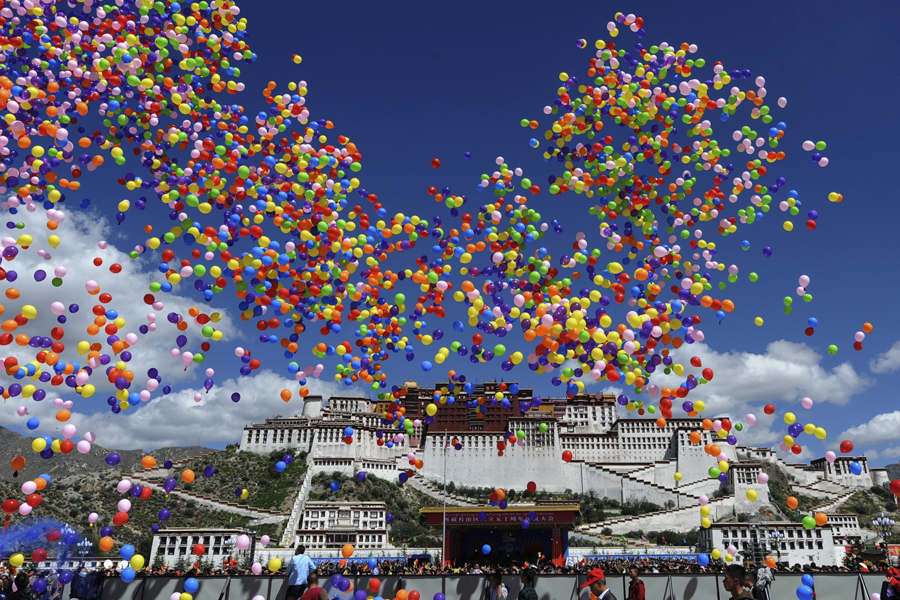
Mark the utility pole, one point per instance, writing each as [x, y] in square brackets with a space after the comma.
[444, 520]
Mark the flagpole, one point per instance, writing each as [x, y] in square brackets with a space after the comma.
[444, 520]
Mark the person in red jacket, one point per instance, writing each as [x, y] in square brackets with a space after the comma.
[314, 592]
[636, 587]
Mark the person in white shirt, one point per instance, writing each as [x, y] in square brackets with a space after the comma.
[499, 591]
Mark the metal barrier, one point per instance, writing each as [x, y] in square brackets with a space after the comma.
[828, 586]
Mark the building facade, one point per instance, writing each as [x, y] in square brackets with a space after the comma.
[789, 543]
[176, 543]
[333, 524]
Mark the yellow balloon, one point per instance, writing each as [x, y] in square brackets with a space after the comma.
[55, 446]
[16, 560]
[137, 562]
[124, 205]
[185, 596]
[704, 511]
[790, 418]
[88, 390]
[788, 441]
[677, 476]
[245, 493]
[758, 321]
[431, 410]
[38, 444]
[728, 557]
[29, 312]
[53, 240]
[716, 554]
[752, 495]
[83, 347]
[705, 522]
[274, 564]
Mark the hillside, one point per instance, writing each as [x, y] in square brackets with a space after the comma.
[13, 444]
[893, 471]
[244, 470]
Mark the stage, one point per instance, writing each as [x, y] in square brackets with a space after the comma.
[469, 529]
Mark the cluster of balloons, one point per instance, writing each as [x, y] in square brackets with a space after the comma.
[269, 207]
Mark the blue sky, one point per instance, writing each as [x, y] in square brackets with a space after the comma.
[408, 82]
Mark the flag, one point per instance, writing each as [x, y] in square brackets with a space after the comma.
[685, 541]
[231, 520]
[643, 538]
[664, 539]
[198, 519]
[624, 539]
[767, 514]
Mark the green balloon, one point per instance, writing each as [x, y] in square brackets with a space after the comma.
[207, 331]
[199, 358]
[832, 349]
[809, 522]
[754, 277]
[714, 472]
[399, 299]
[543, 428]
[500, 350]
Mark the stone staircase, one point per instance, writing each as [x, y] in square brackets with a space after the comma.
[685, 498]
[426, 487]
[832, 504]
[290, 528]
[663, 519]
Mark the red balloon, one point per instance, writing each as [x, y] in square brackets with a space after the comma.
[348, 440]
[39, 555]
[695, 361]
[53, 535]
[67, 446]
[435, 162]
[726, 424]
[708, 374]
[567, 456]
[493, 497]
[796, 449]
[10, 506]
[33, 500]
[846, 446]
[199, 549]
[532, 486]
[895, 487]
[769, 409]
[120, 518]
[374, 585]
[146, 492]
[414, 595]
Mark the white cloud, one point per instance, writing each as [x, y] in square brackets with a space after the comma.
[879, 430]
[786, 372]
[176, 420]
[891, 453]
[80, 234]
[887, 362]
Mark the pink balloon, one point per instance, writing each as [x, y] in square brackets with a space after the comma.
[175, 596]
[264, 540]
[24, 509]
[762, 478]
[187, 358]
[90, 436]
[152, 384]
[243, 542]
[58, 308]
[92, 518]
[830, 456]
[124, 505]
[238, 351]
[256, 568]
[29, 487]
[703, 499]
[84, 446]
[123, 486]
[751, 419]
[783, 448]
[22, 411]
[807, 403]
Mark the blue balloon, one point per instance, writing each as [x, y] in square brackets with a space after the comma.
[372, 564]
[804, 592]
[360, 595]
[126, 552]
[389, 518]
[812, 321]
[703, 560]
[128, 574]
[361, 476]
[335, 486]
[807, 579]
[40, 585]
[33, 423]
[65, 577]
[280, 466]
[191, 585]
[486, 549]
[855, 468]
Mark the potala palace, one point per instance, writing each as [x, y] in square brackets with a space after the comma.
[619, 458]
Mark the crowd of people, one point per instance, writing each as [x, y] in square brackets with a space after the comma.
[739, 580]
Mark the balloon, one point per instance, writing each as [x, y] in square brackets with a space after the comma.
[274, 564]
[347, 550]
[846, 447]
[486, 549]
[243, 542]
[191, 585]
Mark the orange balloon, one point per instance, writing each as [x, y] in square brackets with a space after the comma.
[792, 503]
[770, 562]
[148, 462]
[867, 327]
[661, 423]
[63, 416]
[707, 424]
[106, 543]
[695, 437]
[347, 550]
[714, 450]
[285, 395]
[821, 519]
[41, 483]
[18, 463]
[187, 476]
[402, 594]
